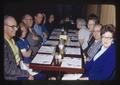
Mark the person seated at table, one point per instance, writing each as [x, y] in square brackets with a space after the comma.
[23, 44]
[50, 23]
[66, 23]
[102, 65]
[32, 37]
[96, 45]
[39, 29]
[83, 33]
[12, 70]
[44, 26]
[92, 20]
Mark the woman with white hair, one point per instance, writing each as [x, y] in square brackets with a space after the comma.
[83, 33]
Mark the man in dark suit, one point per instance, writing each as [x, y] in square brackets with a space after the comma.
[12, 70]
[92, 21]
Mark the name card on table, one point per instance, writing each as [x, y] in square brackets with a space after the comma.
[43, 59]
[47, 49]
[71, 62]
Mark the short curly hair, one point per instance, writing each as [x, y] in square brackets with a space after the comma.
[108, 28]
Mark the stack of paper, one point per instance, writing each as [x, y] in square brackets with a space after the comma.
[47, 49]
[71, 50]
[50, 42]
[71, 62]
[71, 76]
[43, 59]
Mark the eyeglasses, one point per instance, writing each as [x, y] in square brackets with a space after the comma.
[13, 26]
[107, 37]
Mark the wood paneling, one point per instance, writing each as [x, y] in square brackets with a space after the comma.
[108, 14]
[92, 9]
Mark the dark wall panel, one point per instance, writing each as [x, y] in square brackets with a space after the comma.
[18, 9]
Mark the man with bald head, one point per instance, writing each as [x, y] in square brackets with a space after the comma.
[12, 58]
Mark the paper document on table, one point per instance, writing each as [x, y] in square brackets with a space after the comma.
[50, 42]
[43, 59]
[54, 37]
[71, 62]
[47, 49]
[72, 30]
[71, 50]
[55, 33]
[72, 34]
[71, 76]
[73, 38]
[73, 43]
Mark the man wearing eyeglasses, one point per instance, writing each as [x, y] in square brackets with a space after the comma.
[92, 21]
[96, 45]
[12, 58]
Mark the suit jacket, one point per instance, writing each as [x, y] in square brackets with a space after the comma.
[11, 70]
[103, 67]
[90, 42]
[92, 39]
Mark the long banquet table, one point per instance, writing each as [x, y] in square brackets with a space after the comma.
[49, 49]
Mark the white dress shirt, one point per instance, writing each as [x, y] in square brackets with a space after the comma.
[84, 33]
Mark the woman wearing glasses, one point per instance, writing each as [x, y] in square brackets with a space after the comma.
[102, 66]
